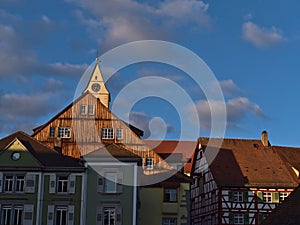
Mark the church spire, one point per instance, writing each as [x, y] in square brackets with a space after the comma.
[96, 85]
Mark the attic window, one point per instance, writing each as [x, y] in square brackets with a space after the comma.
[64, 132]
[91, 110]
[107, 133]
[83, 110]
[149, 163]
[52, 132]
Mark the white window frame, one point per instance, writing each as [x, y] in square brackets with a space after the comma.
[62, 184]
[59, 210]
[19, 183]
[5, 216]
[238, 196]
[119, 134]
[91, 110]
[283, 196]
[109, 212]
[52, 132]
[64, 132]
[238, 218]
[169, 221]
[8, 183]
[267, 197]
[149, 163]
[107, 133]
[18, 215]
[83, 110]
[172, 193]
[110, 182]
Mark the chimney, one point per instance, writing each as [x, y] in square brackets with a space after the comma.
[265, 139]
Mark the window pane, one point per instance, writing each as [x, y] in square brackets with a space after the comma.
[52, 131]
[18, 212]
[62, 184]
[9, 180]
[91, 110]
[110, 182]
[20, 181]
[107, 133]
[119, 134]
[109, 216]
[61, 216]
[64, 132]
[6, 215]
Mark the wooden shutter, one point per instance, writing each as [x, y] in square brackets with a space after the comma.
[1, 182]
[118, 215]
[99, 216]
[29, 183]
[50, 215]
[28, 214]
[230, 196]
[100, 184]
[120, 182]
[245, 196]
[260, 218]
[52, 184]
[275, 197]
[246, 218]
[71, 215]
[72, 183]
[231, 218]
[201, 185]
[259, 196]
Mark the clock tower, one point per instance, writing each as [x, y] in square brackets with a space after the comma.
[97, 87]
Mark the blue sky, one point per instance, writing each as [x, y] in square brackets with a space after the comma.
[252, 47]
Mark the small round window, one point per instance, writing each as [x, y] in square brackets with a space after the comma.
[15, 155]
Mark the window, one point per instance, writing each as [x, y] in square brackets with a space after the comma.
[237, 196]
[110, 185]
[107, 133]
[18, 212]
[267, 197]
[83, 110]
[170, 195]
[6, 215]
[119, 134]
[283, 196]
[52, 132]
[149, 163]
[169, 221]
[9, 183]
[91, 110]
[61, 216]
[20, 182]
[12, 215]
[109, 216]
[62, 184]
[64, 132]
[238, 219]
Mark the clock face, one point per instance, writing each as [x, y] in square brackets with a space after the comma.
[15, 155]
[96, 87]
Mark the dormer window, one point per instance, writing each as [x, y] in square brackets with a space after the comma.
[149, 163]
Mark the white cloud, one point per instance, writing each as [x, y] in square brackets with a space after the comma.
[261, 36]
[236, 108]
[117, 22]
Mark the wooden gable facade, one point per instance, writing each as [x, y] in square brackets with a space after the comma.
[88, 124]
[243, 183]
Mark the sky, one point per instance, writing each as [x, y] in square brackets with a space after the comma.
[252, 48]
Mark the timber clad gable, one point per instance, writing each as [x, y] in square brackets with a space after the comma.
[243, 184]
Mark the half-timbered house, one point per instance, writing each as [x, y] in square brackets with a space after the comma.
[237, 181]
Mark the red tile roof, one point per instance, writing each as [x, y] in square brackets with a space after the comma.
[242, 162]
[186, 148]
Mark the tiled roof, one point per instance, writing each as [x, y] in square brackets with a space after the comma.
[186, 148]
[287, 212]
[241, 162]
[45, 155]
[112, 150]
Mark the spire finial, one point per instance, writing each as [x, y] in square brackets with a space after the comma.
[97, 56]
